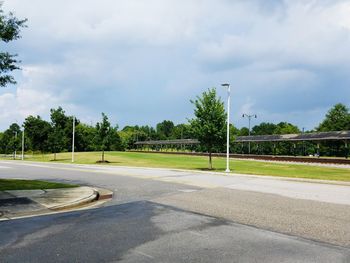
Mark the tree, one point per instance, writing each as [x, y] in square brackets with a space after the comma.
[57, 138]
[9, 30]
[10, 139]
[84, 137]
[164, 129]
[181, 131]
[209, 124]
[264, 128]
[37, 131]
[104, 135]
[337, 119]
[286, 128]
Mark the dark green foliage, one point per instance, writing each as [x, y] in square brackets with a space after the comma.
[57, 137]
[181, 131]
[165, 129]
[10, 140]
[84, 137]
[337, 119]
[37, 132]
[209, 124]
[9, 30]
[264, 128]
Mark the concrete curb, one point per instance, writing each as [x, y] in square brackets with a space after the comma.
[93, 197]
[97, 197]
[103, 194]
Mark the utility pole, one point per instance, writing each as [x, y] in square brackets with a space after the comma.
[249, 120]
[73, 137]
[303, 142]
[228, 127]
[23, 144]
[15, 146]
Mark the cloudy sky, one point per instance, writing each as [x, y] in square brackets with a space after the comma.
[141, 61]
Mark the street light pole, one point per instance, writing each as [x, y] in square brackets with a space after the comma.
[249, 119]
[228, 127]
[15, 155]
[23, 144]
[73, 137]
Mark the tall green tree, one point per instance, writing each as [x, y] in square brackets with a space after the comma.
[57, 138]
[9, 30]
[165, 129]
[37, 131]
[337, 119]
[84, 137]
[10, 139]
[286, 128]
[209, 124]
[264, 128]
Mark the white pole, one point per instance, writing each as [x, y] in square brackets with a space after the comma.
[228, 131]
[249, 117]
[73, 139]
[15, 145]
[228, 128]
[23, 145]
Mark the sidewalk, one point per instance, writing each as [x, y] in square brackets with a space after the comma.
[21, 203]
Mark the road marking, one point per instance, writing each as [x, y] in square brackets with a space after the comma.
[187, 190]
[143, 254]
[4, 167]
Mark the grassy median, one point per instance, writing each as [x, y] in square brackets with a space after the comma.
[18, 184]
[201, 163]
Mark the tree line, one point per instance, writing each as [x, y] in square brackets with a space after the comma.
[208, 125]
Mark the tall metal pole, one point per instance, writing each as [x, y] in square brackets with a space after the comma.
[249, 133]
[73, 137]
[303, 142]
[23, 145]
[249, 119]
[15, 156]
[228, 127]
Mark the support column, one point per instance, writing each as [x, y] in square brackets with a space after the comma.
[346, 150]
[294, 149]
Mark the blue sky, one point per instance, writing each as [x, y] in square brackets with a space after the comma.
[141, 62]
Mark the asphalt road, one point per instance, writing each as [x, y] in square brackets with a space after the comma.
[160, 215]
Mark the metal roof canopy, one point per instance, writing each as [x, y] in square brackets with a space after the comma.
[168, 142]
[315, 136]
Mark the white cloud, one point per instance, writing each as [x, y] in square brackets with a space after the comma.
[141, 61]
[306, 34]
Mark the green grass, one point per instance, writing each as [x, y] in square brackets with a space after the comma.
[16, 184]
[201, 163]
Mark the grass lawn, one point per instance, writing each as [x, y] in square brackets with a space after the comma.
[15, 184]
[201, 163]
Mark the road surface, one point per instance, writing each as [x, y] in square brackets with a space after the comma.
[164, 215]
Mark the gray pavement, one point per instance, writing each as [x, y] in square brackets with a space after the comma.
[149, 232]
[163, 215]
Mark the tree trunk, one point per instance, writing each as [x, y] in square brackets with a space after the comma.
[54, 156]
[103, 155]
[210, 161]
